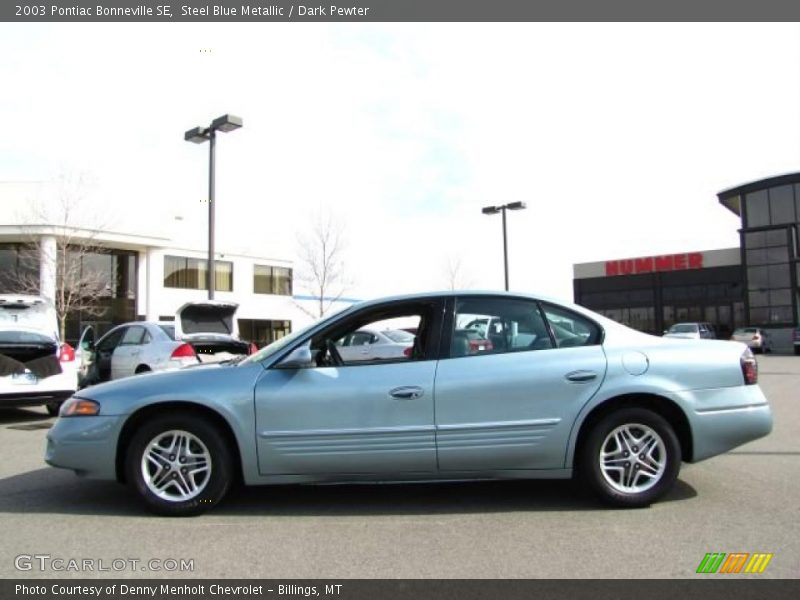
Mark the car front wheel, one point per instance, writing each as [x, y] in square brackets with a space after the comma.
[631, 458]
[180, 465]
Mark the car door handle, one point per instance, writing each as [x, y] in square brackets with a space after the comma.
[407, 392]
[580, 376]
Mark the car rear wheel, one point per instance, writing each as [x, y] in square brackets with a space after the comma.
[180, 465]
[631, 458]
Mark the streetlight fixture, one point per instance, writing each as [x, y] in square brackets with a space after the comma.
[198, 135]
[493, 210]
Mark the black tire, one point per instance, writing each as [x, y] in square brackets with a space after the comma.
[216, 483]
[590, 470]
[53, 408]
[797, 350]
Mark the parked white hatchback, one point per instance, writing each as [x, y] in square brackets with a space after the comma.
[36, 367]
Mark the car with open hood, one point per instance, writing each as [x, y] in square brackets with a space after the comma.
[36, 367]
[560, 391]
[202, 332]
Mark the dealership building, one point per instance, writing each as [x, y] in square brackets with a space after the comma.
[144, 272]
[755, 284]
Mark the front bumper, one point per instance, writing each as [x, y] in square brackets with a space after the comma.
[87, 445]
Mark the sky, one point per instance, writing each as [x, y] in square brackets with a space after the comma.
[617, 137]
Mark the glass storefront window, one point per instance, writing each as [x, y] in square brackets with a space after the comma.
[190, 273]
[758, 299]
[755, 239]
[781, 205]
[776, 237]
[779, 276]
[757, 278]
[272, 280]
[757, 207]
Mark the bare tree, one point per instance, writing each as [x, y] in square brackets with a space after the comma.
[60, 242]
[321, 266]
[455, 277]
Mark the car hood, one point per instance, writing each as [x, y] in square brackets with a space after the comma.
[208, 319]
[208, 384]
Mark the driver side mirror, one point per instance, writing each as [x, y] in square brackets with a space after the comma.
[299, 358]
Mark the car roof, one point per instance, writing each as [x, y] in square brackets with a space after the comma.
[465, 293]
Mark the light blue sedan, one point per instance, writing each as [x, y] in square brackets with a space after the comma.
[556, 390]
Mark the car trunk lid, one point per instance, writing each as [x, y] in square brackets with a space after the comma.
[28, 337]
[211, 329]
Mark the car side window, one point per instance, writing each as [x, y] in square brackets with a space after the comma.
[111, 340]
[571, 329]
[133, 336]
[497, 325]
[353, 342]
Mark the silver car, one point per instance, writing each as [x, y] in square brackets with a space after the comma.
[371, 344]
[202, 332]
[757, 339]
[691, 331]
[561, 391]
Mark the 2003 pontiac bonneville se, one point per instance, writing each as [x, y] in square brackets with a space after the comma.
[494, 386]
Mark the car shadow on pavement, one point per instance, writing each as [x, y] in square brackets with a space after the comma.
[11, 416]
[55, 491]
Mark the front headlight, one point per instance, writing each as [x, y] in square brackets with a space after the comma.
[79, 407]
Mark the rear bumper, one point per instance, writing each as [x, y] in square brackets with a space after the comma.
[33, 398]
[724, 418]
[87, 445]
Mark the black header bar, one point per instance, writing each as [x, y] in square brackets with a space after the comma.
[397, 10]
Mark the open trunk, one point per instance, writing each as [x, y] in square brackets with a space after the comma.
[23, 351]
[216, 350]
[210, 327]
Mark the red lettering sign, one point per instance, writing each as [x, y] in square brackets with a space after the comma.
[644, 265]
[695, 260]
[664, 263]
[648, 264]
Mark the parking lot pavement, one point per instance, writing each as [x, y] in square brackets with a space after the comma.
[743, 501]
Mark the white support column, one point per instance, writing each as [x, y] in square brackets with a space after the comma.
[47, 267]
[154, 280]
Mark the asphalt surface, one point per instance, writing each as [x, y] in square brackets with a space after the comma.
[745, 501]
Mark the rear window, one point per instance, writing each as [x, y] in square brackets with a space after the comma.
[746, 330]
[169, 330]
[23, 337]
[683, 328]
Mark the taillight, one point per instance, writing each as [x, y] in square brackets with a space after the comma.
[749, 367]
[756, 337]
[407, 351]
[183, 351]
[252, 348]
[67, 353]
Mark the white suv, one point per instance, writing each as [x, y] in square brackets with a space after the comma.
[36, 367]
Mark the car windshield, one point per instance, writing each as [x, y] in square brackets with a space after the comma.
[399, 336]
[683, 328]
[277, 345]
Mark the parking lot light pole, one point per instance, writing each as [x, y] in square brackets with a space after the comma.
[493, 210]
[198, 135]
